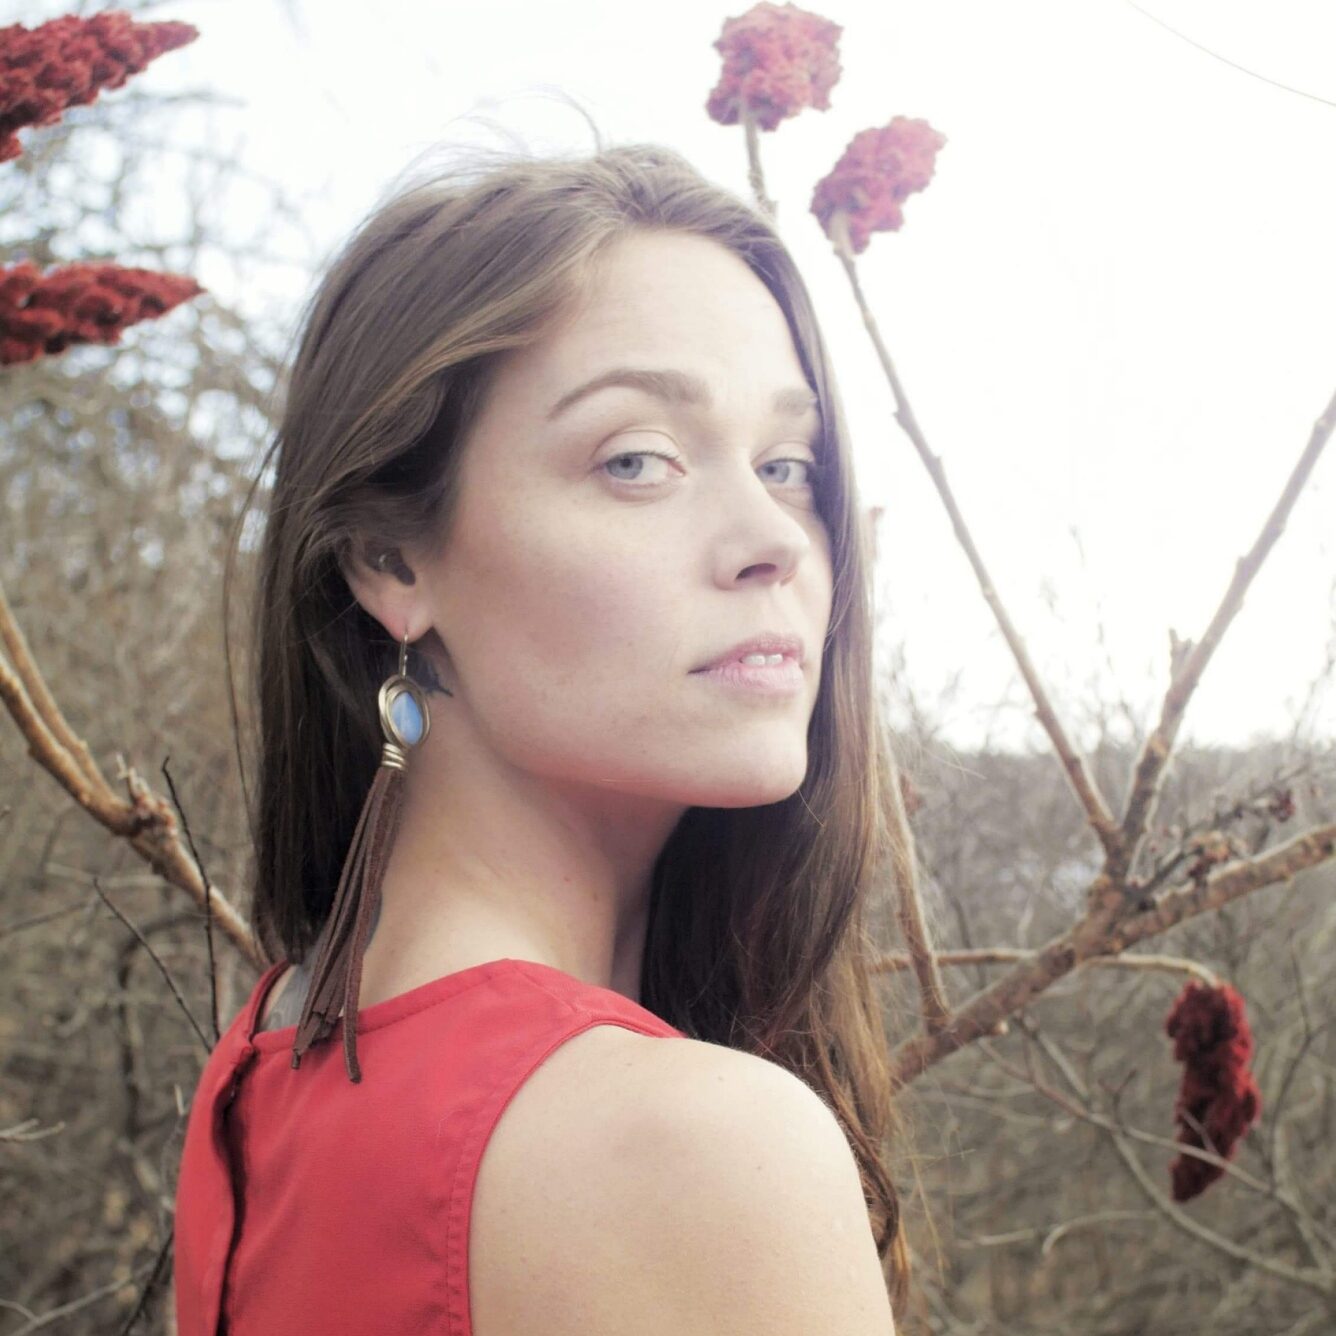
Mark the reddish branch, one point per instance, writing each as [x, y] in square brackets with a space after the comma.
[79, 303]
[69, 61]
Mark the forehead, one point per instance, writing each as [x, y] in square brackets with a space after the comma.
[664, 299]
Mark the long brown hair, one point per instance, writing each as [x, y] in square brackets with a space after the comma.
[760, 930]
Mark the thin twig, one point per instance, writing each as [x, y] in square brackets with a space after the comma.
[1083, 783]
[1221, 817]
[37, 1321]
[1276, 1154]
[1052, 1234]
[1321, 1279]
[1159, 744]
[166, 973]
[755, 175]
[30, 1130]
[1290, 1204]
[1192, 41]
[208, 900]
[1007, 955]
[934, 1007]
[159, 1265]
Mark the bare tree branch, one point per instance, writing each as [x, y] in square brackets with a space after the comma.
[146, 822]
[1321, 1278]
[1083, 783]
[1158, 746]
[1008, 955]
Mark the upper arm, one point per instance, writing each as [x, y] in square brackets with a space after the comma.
[754, 1219]
[710, 1192]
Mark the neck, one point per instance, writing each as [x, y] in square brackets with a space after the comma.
[491, 862]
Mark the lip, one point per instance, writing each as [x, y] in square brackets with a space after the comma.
[768, 681]
[768, 642]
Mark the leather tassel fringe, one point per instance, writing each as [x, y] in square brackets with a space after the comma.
[337, 975]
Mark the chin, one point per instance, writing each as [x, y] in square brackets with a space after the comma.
[749, 789]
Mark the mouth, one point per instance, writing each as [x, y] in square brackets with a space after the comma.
[778, 675]
[771, 649]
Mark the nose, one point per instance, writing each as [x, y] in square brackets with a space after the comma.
[760, 536]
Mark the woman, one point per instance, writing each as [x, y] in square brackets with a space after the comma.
[560, 435]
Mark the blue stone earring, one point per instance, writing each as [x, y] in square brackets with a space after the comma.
[336, 978]
[403, 712]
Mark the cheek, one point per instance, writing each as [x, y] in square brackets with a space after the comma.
[579, 679]
[560, 613]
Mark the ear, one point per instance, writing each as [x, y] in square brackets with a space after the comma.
[388, 588]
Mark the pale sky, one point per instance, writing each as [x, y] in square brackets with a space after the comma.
[1111, 309]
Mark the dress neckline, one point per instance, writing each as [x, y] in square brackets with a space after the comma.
[391, 1009]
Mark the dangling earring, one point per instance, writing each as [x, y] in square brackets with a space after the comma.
[337, 975]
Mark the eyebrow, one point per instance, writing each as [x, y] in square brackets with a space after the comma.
[678, 387]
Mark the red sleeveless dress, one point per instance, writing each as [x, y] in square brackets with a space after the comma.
[308, 1203]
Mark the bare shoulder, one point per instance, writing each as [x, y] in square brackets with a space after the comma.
[661, 1186]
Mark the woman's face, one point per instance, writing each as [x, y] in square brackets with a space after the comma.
[584, 580]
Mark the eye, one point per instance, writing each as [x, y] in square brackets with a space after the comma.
[626, 468]
[812, 467]
[632, 456]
